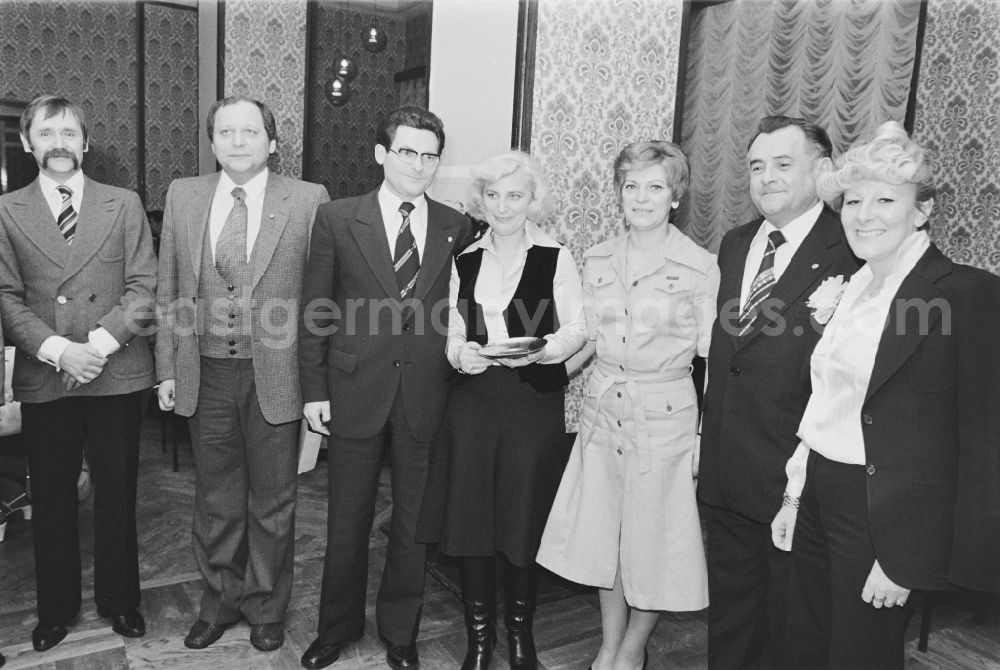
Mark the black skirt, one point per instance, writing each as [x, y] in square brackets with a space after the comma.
[495, 468]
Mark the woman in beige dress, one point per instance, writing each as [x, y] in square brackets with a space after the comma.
[625, 518]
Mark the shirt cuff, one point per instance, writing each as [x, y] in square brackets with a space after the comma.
[52, 350]
[795, 469]
[103, 341]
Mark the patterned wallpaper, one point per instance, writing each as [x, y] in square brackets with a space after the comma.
[265, 58]
[86, 51]
[171, 98]
[844, 65]
[958, 117]
[605, 76]
[340, 154]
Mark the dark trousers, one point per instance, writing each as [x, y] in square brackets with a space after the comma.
[747, 585]
[245, 489]
[353, 469]
[57, 434]
[830, 626]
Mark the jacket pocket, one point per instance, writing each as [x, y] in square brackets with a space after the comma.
[342, 360]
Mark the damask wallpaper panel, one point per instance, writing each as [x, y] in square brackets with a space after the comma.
[844, 65]
[958, 119]
[85, 51]
[605, 76]
[341, 151]
[171, 98]
[265, 58]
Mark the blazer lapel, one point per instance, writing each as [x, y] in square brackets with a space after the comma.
[273, 219]
[731, 281]
[196, 213]
[369, 231]
[438, 247]
[900, 340]
[32, 215]
[98, 212]
[812, 259]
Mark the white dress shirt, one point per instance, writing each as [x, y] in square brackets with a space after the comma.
[53, 347]
[222, 205]
[495, 286]
[794, 232]
[389, 203]
[841, 366]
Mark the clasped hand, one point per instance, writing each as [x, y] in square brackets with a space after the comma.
[81, 364]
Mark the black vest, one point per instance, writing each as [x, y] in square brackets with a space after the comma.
[530, 313]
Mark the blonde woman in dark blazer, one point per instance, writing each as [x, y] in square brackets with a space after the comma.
[900, 438]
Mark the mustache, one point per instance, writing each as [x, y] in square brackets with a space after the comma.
[59, 152]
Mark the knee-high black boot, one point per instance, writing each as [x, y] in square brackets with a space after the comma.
[519, 591]
[479, 599]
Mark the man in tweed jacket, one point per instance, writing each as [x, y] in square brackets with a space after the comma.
[232, 254]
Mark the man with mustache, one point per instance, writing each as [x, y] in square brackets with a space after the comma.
[77, 277]
[756, 392]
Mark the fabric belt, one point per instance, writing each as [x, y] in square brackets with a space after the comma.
[610, 377]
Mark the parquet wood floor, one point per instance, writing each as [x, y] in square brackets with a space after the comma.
[567, 622]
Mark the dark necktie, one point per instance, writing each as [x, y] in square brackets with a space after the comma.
[762, 283]
[67, 215]
[231, 247]
[405, 257]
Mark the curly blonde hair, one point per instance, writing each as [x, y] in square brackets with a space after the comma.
[495, 168]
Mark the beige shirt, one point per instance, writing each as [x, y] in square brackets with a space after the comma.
[657, 316]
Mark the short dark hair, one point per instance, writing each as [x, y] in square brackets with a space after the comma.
[816, 136]
[414, 117]
[641, 155]
[270, 127]
[53, 106]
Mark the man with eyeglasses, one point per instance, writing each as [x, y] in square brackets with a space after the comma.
[372, 368]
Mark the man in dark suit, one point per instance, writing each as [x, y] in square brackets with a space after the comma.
[77, 276]
[758, 385]
[372, 365]
[232, 254]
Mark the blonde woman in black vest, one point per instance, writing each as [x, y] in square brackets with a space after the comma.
[497, 465]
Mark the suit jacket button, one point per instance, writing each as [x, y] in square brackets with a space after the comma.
[232, 352]
[734, 371]
[232, 343]
[231, 287]
[61, 300]
[395, 364]
[870, 470]
[867, 418]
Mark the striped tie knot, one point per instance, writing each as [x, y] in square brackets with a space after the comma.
[67, 215]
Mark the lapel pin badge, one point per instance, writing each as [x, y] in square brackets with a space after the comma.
[450, 238]
[815, 266]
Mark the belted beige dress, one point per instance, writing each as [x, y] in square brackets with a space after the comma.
[627, 496]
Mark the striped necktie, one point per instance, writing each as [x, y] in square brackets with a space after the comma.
[406, 259]
[67, 215]
[762, 283]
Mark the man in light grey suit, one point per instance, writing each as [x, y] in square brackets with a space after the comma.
[232, 254]
[77, 276]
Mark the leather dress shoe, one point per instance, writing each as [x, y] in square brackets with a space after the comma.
[400, 656]
[202, 634]
[267, 636]
[46, 637]
[130, 624]
[320, 654]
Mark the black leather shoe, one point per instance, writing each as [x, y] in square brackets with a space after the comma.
[129, 625]
[46, 637]
[202, 634]
[320, 655]
[267, 636]
[400, 656]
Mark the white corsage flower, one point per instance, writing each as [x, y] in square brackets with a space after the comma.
[825, 298]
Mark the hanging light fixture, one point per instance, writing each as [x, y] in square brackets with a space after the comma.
[373, 38]
[345, 68]
[337, 91]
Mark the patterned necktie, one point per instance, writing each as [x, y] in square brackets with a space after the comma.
[231, 247]
[67, 215]
[405, 258]
[762, 283]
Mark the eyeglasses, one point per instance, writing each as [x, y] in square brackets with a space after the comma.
[408, 156]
